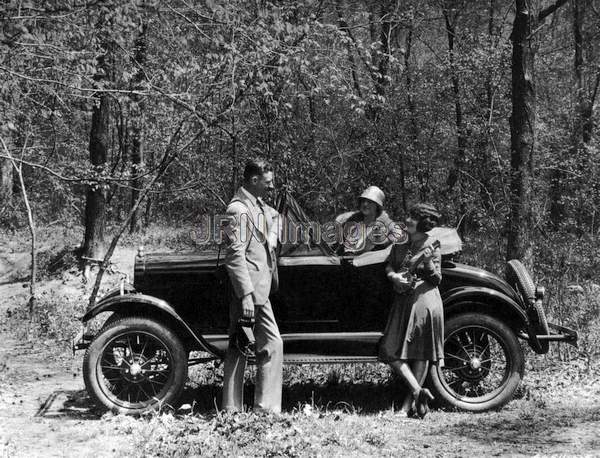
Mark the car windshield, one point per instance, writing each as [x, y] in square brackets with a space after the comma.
[300, 239]
[304, 243]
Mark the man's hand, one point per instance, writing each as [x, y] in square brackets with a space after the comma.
[248, 307]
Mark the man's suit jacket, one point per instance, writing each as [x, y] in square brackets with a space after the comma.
[250, 255]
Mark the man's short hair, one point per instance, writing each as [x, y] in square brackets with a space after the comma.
[256, 167]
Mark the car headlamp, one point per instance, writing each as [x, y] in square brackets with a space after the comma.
[539, 292]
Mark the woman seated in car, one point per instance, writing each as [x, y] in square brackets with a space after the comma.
[366, 229]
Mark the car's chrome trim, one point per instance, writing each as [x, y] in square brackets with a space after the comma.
[355, 336]
[308, 261]
[299, 358]
[310, 321]
[292, 337]
[371, 257]
[215, 337]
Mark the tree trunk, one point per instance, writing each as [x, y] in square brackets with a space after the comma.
[414, 142]
[483, 146]
[149, 199]
[582, 132]
[582, 126]
[414, 128]
[343, 25]
[137, 131]
[6, 182]
[96, 195]
[31, 224]
[401, 162]
[95, 206]
[522, 134]
[385, 14]
[461, 139]
[137, 163]
[19, 169]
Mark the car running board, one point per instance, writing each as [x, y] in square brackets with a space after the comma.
[299, 358]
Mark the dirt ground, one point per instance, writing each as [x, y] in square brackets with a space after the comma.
[44, 411]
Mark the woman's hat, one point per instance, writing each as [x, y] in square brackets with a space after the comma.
[374, 194]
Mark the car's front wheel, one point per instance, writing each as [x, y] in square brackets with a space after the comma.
[134, 365]
[483, 363]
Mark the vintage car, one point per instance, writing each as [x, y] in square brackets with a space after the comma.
[330, 309]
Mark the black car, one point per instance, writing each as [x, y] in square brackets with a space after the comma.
[330, 309]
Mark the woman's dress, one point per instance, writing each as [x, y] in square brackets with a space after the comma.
[415, 326]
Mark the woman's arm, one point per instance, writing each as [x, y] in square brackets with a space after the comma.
[391, 267]
[389, 270]
[432, 268]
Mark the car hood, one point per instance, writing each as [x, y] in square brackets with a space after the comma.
[176, 262]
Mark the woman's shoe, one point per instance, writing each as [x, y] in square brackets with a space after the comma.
[411, 412]
[422, 402]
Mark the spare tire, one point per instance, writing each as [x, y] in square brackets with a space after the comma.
[518, 277]
[538, 325]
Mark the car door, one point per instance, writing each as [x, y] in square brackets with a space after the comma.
[373, 295]
[312, 292]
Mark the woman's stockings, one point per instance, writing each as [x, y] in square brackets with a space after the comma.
[419, 369]
[413, 376]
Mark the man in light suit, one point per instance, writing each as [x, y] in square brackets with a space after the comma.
[252, 267]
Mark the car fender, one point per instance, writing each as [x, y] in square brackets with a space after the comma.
[135, 302]
[474, 298]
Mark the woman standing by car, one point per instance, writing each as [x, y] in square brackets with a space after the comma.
[414, 334]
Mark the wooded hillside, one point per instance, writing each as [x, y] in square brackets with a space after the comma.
[486, 108]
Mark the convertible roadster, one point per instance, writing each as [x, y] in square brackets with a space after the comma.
[330, 309]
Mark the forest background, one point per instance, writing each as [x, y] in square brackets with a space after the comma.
[140, 115]
[137, 116]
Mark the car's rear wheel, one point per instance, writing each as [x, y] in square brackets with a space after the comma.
[135, 365]
[483, 364]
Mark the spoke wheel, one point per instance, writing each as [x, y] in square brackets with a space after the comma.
[483, 363]
[134, 365]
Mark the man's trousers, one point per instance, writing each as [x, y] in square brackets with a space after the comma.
[269, 362]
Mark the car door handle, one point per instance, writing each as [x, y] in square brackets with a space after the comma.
[347, 261]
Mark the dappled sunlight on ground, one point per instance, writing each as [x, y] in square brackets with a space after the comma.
[327, 411]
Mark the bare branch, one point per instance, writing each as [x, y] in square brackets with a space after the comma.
[595, 91]
[76, 88]
[19, 170]
[168, 158]
[550, 9]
